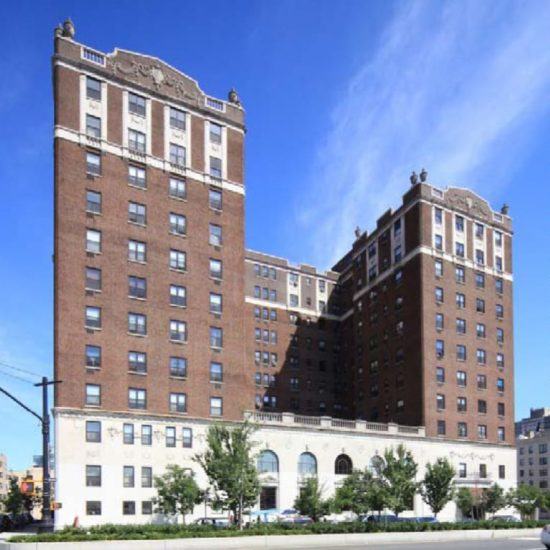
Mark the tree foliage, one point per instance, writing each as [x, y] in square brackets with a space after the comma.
[231, 468]
[525, 499]
[310, 501]
[465, 501]
[177, 492]
[438, 487]
[398, 471]
[493, 499]
[15, 499]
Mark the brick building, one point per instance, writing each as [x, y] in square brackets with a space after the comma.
[161, 314]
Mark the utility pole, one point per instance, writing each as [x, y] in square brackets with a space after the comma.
[45, 422]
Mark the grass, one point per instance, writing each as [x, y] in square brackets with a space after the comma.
[156, 532]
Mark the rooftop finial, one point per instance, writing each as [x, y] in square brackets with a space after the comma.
[233, 97]
[423, 175]
[414, 178]
[68, 28]
[505, 209]
[357, 232]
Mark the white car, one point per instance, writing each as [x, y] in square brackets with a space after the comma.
[545, 536]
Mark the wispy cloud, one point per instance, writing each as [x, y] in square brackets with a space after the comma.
[449, 87]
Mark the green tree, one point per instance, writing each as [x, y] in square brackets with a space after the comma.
[231, 468]
[438, 485]
[177, 492]
[310, 500]
[376, 495]
[465, 501]
[13, 502]
[493, 499]
[351, 495]
[398, 470]
[525, 499]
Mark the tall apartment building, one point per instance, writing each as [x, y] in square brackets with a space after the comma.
[165, 323]
[538, 421]
[4, 476]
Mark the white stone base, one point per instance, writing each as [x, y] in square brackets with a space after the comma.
[286, 435]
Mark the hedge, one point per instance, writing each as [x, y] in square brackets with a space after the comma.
[156, 532]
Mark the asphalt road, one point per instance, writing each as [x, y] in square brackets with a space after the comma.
[526, 543]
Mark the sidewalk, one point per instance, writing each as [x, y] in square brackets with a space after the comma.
[280, 541]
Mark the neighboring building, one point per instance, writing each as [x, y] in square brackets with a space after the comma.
[539, 420]
[164, 322]
[534, 458]
[4, 476]
[30, 482]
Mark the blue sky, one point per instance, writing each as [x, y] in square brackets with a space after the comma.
[343, 100]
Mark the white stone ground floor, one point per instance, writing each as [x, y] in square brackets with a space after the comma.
[298, 443]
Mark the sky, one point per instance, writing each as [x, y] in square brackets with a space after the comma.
[343, 100]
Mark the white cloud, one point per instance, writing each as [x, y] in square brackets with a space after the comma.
[448, 87]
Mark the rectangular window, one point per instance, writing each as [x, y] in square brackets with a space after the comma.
[462, 470]
[128, 508]
[137, 176]
[93, 126]
[137, 251]
[136, 104]
[499, 310]
[439, 297]
[215, 133]
[93, 508]
[481, 356]
[216, 337]
[441, 427]
[479, 231]
[483, 470]
[128, 434]
[178, 296]
[460, 300]
[482, 431]
[93, 279]
[215, 199]
[480, 305]
[501, 471]
[93, 356]
[460, 326]
[439, 242]
[177, 119]
[177, 188]
[93, 163]
[461, 404]
[215, 303]
[480, 280]
[460, 274]
[462, 429]
[216, 271]
[93, 394]
[500, 384]
[137, 361]
[216, 372]
[178, 260]
[178, 366]
[216, 406]
[216, 167]
[501, 410]
[137, 398]
[461, 352]
[481, 382]
[136, 141]
[440, 402]
[178, 402]
[93, 202]
[438, 215]
[187, 437]
[137, 323]
[93, 88]
[480, 257]
[93, 241]
[146, 434]
[170, 436]
[137, 287]
[146, 507]
[177, 155]
[500, 336]
[459, 224]
[440, 375]
[461, 378]
[93, 476]
[93, 317]
[438, 268]
[480, 330]
[499, 286]
[482, 406]
[178, 224]
[178, 331]
[146, 476]
[128, 476]
[137, 213]
[439, 349]
[459, 249]
[93, 431]
[215, 235]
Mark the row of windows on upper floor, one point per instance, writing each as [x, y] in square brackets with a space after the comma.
[137, 178]
[462, 380]
[460, 301]
[460, 253]
[138, 363]
[268, 272]
[543, 461]
[460, 276]
[543, 483]
[137, 326]
[462, 405]
[137, 399]
[462, 430]
[460, 326]
[459, 224]
[137, 250]
[462, 354]
[542, 449]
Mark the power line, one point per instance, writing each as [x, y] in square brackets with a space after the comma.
[9, 366]
[15, 376]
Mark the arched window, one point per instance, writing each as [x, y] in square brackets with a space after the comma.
[268, 462]
[307, 464]
[343, 465]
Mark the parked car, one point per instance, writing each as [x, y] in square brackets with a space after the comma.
[422, 519]
[545, 536]
[303, 520]
[342, 517]
[6, 523]
[382, 518]
[219, 523]
[507, 518]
